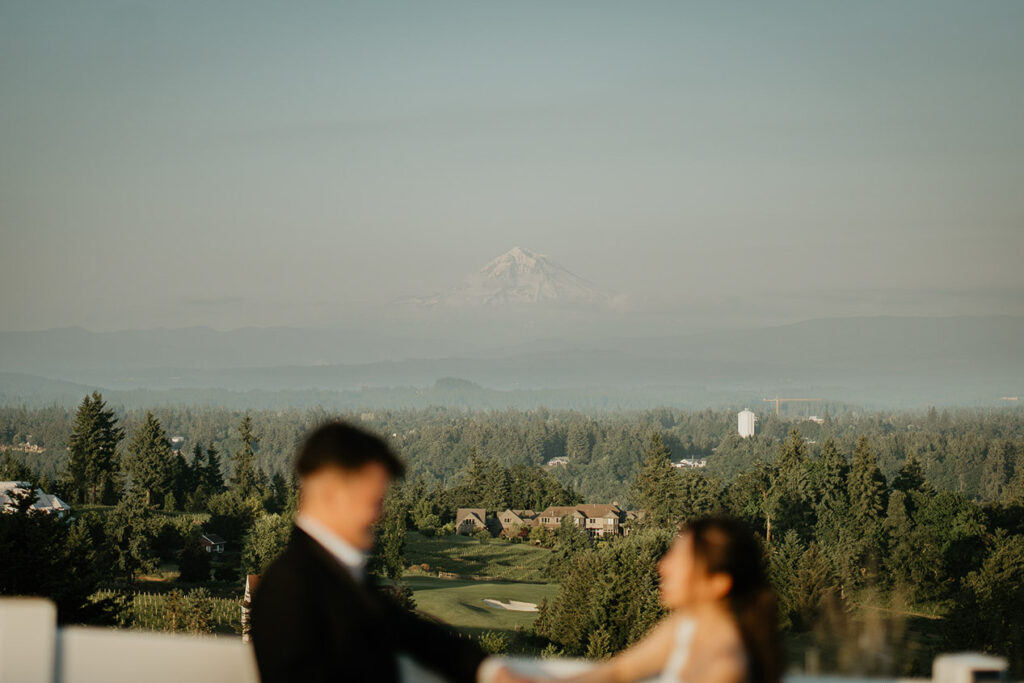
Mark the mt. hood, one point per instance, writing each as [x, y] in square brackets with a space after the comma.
[517, 277]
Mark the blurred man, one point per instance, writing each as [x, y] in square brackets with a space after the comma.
[317, 615]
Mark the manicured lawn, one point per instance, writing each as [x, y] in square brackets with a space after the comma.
[466, 556]
[461, 603]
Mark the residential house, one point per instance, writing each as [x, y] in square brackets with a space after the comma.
[686, 463]
[12, 491]
[470, 520]
[213, 543]
[517, 522]
[597, 519]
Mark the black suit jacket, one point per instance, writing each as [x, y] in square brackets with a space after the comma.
[312, 622]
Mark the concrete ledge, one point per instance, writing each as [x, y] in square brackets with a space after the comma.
[28, 632]
[98, 655]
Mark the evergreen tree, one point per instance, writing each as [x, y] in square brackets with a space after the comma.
[996, 471]
[657, 490]
[902, 553]
[911, 476]
[497, 488]
[475, 476]
[577, 444]
[989, 613]
[699, 494]
[213, 476]
[197, 466]
[866, 486]
[92, 447]
[129, 530]
[232, 515]
[278, 493]
[193, 560]
[803, 580]
[569, 618]
[149, 462]
[387, 559]
[246, 477]
[832, 470]
[570, 540]
[614, 587]
[752, 495]
[265, 541]
[197, 493]
[865, 534]
[46, 556]
[14, 470]
[181, 477]
[198, 612]
[424, 514]
[792, 486]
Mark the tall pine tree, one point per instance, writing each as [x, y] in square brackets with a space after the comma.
[864, 537]
[793, 486]
[92, 448]
[911, 476]
[866, 485]
[246, 476]
[149, 461]
[213, 477]
[657, 489]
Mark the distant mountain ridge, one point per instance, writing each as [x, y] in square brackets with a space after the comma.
[878, 361]
[517, 277]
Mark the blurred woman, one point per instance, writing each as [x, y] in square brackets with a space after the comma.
[722, 624]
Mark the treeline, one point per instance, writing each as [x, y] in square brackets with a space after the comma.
[844, 543]
[131, 495]
[139, 502]
[973, 452]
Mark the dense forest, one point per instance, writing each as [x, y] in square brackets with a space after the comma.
[890, 537]
[974, 452]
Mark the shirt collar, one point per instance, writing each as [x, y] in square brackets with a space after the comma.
[350, 557]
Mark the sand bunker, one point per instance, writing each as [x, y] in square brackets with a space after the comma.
[513, 605]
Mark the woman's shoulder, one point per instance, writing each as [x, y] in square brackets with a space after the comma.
[718, 635]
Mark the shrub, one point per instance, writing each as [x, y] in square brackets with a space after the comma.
[193, 560]
[493, 643]
[225, 572]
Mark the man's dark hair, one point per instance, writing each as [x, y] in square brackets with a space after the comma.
[341, 445]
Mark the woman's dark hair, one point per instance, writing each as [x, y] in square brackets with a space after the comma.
[729, 546]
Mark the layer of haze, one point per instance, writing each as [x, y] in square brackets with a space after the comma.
[230, 164]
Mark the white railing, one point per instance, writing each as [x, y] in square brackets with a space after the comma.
[34, 650]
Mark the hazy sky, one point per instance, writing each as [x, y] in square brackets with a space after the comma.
[226, 164]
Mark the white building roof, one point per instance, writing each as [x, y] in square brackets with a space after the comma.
[45, 502]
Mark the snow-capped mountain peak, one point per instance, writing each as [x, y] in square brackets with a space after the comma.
[519, 276]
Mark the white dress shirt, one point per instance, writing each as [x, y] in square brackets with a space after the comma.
[350, 557]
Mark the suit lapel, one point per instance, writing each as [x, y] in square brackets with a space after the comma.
[308, 545]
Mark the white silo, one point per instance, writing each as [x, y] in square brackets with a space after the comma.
[746, 423]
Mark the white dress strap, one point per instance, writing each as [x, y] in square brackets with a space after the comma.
[680, 651]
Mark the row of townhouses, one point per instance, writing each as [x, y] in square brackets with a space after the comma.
[598, 519]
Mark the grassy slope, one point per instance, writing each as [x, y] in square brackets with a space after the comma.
[509, 571]
[461, 603]
[466, 556]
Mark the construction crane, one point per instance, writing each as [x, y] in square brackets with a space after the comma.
[778, 400]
